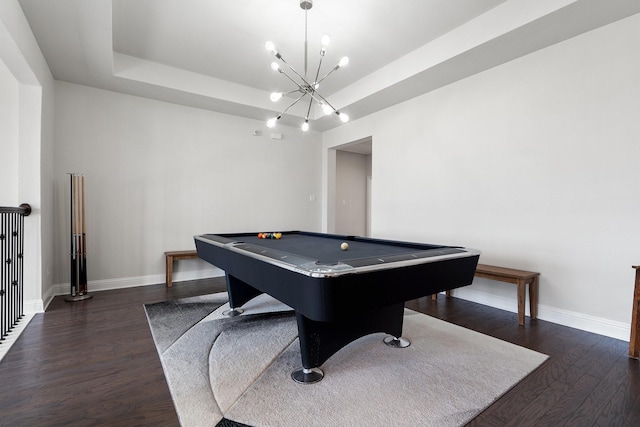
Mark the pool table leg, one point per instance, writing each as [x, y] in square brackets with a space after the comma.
[239, 293]
[321, 340]
[307, 376]
[396, 342]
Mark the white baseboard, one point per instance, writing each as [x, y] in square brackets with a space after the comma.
[132, 282]
[34, 306]
[12, 336]
[597, 325]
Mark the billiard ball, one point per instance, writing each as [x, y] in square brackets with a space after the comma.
[344, 246]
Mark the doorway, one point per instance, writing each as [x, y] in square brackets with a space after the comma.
[353, 183]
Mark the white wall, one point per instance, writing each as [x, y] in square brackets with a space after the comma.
[156, 174]
[9, 89]
[535, 163]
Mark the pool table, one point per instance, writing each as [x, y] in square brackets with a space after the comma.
[337, 295]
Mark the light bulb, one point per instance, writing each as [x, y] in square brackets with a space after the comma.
[343, 62]
[275, 66]
[270, 47]
[343, 117]
[305, 126]
[275, 96]
[271, 122]
[325, 40]
[326, 109]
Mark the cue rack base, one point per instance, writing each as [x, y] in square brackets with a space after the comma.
[72, 298]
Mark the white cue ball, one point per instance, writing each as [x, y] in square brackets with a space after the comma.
[344, 246]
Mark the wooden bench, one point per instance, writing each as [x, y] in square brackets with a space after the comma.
[174, 256]
[521, 278]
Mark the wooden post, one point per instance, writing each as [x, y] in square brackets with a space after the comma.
[634, 342]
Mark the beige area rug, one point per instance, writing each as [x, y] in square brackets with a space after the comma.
[236, 371]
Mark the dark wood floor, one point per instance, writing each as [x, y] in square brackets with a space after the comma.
[94, 363]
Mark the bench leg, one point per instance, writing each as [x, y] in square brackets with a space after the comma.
[533, 298]
[435, 296]
[169, 271]
[521, 301]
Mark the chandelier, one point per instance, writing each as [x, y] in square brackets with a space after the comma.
[305, 86]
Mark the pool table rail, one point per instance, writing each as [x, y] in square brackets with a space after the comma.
[416, 254]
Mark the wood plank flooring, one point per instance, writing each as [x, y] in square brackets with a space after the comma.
[94, 363]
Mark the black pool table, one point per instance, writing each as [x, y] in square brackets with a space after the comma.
[337, 295]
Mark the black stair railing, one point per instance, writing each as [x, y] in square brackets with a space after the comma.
[11, 266]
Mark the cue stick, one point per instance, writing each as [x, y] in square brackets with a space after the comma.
[73, 237]
[83, 259]
[76, 222]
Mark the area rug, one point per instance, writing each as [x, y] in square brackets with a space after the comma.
[235, 371]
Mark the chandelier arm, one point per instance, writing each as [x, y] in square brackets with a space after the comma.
[292, 104]
[326, 75]
[300, 87]
[290, 92]
[294, 70]
[311, 98]
[316, 82]
[322, 100]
